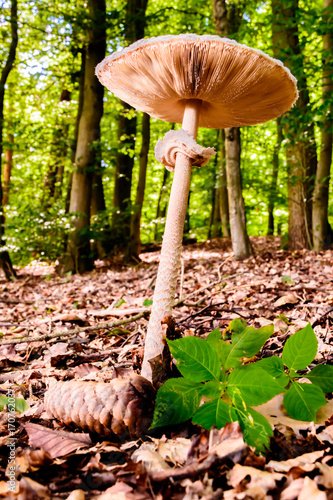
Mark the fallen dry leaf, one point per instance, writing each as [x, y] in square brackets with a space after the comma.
[56, 443]
[276, 415]
[290, 298]
[326, 434]
[305, 462]
[76, 495]
[310, 491]
[326, 477]
[151, 459]
[265, 480]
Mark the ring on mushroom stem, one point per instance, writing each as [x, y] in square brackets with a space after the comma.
[199, 81]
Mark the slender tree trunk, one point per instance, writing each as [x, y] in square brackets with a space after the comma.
[240, 241]
[227, 18]
[133, 249]
[5, 261]
[187, 227]
[135, 22]
[214, 230]
[78, 256]
[223, 191]
[161, 211]
[275, 173]
[299, 132]
[321, 191]
[101, 245]
[58, 155]
[7, 169]
[121, 218]
[73, 145]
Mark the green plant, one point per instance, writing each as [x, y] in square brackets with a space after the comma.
[219, 372]
[17, 404]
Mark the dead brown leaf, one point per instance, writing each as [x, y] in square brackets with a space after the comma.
[56, 443]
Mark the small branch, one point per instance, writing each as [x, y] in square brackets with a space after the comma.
[28, 302]
[210, 285]
[22, 340]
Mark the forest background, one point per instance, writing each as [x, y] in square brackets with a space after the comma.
[79, 176]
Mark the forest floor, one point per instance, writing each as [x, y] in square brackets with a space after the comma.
[52, 316]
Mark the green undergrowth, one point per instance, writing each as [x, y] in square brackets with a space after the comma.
[219, 384]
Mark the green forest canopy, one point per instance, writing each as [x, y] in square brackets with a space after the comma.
[41, 109]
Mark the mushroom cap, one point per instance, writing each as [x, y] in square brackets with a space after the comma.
[238, 85]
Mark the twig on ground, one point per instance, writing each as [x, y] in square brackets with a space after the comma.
[210, 285]
[120, 322]
[317, 322]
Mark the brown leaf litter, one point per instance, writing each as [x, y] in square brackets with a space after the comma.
[92, 328]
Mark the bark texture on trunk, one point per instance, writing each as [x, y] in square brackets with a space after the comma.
[227, 19]
[59, 147]
[78, 256]
[5, 261]
[240, 241]
[135, 22]
[7, 169]
[322, 181]
[275, 174]
[161, 207]
[223, 191]
[301, 145]
[133, 249]
[101, 245]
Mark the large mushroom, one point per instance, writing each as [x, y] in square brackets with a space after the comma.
[199, 81]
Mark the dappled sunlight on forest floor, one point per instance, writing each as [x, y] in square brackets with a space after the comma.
[93, 326]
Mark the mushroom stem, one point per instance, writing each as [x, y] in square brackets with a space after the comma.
[166, 281]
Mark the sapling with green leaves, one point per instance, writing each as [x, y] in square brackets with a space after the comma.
[221, 385]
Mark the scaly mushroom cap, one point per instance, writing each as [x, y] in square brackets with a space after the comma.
[237, 85]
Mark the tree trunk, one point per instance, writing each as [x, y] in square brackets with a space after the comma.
[214, 230]
[5, 261]
[7, 169]
[101, 244]
[121, 218]
[227, 18]
[275, 173]
[240, 241]
[133, 249]
[187, 227]
[321, 192]
[54, 177]
[223, 191]
[161, 210]
[78, 256]
[135, 22]
[299, 132]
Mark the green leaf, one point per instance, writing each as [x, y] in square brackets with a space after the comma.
[212, 389]
[257, 431]
[247, 343]
[302, 401]
[118, 331]
[254, 384]
[215, 412]
[147, 302]
[196, 358]
[322, 375]
[214, 337]
[176, 401]
[237, 325]
[18, 404]
[300, 349]
[120, 302]
[274, 366]
[225, 350]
